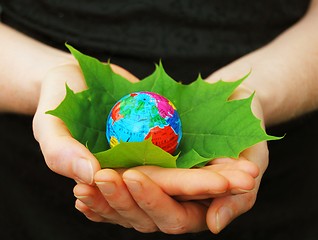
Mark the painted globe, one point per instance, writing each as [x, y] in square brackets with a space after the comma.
[142, 115]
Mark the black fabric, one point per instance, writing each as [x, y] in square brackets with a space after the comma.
[190, 36]
[39, 204]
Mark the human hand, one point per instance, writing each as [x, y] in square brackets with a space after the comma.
[225, 209]
[173, 201]
[142, 197]
[63, 154]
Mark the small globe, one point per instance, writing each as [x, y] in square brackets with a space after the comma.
[142, 115]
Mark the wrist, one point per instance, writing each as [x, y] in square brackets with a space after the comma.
[24, 63]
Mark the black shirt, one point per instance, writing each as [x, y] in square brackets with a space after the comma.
[190, 36]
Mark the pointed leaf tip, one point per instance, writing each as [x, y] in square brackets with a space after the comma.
[212, 125]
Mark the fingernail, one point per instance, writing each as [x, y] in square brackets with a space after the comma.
[83, 170]
[132, 185]
[223, 218]
[85, 199]
[107, 188]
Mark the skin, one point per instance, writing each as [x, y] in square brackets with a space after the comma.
[284, 74]
[153, 191]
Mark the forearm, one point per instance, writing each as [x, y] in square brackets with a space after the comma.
[23, 64]
[284, 72]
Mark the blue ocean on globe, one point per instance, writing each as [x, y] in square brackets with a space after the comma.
[141, 115]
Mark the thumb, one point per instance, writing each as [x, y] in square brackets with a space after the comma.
[224, 210]
[66, 156]
[63, 154]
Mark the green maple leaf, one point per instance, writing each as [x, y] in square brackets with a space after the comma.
[212, 125]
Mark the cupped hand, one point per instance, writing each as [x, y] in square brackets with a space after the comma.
[173, 201]
[63, 154]
[177, 200]
[225, 209]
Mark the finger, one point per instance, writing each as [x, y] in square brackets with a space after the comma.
[94, 216]
[241, 164]
[258, 154]
[186, 181]
[169, 215]
[240, 173]
[224, 210]
[95, 201]
[62, 153]
[239, 183]
[89, 214]
[118, 197]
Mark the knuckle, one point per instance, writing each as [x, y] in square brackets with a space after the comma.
[105, 212]
[148, 205]
[57, 156]
[123, 208]
[146, 229]
[51, 157]
[51, 162]
[176, 226]
[250, 199]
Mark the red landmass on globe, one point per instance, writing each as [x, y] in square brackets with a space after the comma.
[164, 138]
[116, 113]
